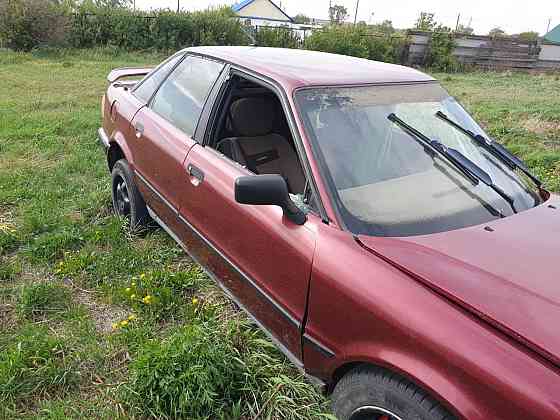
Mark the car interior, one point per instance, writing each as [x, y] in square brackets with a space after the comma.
[252, 130]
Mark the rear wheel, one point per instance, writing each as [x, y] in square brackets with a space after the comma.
[127, 200]
[369, 393]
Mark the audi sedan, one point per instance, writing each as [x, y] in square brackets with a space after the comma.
[399, 256]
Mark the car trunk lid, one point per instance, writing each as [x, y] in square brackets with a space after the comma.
[507, 271]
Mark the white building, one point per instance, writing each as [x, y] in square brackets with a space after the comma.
[262, 13]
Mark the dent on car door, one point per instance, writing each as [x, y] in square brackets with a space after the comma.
[164, 134]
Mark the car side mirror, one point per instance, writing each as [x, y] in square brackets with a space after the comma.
[268, 190]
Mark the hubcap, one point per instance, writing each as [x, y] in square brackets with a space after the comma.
[373, 413]
[122, 199]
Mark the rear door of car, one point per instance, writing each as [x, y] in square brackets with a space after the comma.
[164, 131]
[259, 256]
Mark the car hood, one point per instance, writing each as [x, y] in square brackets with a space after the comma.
[506, 272]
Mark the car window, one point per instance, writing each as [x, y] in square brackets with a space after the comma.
[182, 96]
[151, 82]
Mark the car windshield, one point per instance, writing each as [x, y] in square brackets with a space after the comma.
[387, 183]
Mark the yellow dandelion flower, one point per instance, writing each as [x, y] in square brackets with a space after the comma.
[147, 299]
[124, 323]
[194, 301]
[131, 317]
[143, 275]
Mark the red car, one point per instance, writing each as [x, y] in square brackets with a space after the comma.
[391, 249]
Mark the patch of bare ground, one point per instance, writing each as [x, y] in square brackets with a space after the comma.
[538, 126]
[103, 315]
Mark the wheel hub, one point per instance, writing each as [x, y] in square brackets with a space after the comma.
[373, 413]
[122, 197]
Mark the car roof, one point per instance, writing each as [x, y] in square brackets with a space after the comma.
[298, 68]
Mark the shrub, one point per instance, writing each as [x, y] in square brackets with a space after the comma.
[26, 24]
[162, 30]
[356, 41]
[277, 37]
[440, 53]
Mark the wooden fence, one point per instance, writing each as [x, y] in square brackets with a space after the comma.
[489, 53]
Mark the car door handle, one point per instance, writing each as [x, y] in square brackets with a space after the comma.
[139, 130]
[196, 174]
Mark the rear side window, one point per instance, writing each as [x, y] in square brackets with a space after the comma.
[182, 96]
[149, 85]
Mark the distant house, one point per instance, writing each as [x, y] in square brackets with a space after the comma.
[262, 13]
[550, 48]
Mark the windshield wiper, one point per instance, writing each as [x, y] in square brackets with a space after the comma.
[467, 167]
[494, 148]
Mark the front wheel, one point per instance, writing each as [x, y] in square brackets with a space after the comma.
[368, 393]
[127, 200]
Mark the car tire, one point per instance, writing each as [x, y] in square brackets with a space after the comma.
[127, 201]
[378, 394]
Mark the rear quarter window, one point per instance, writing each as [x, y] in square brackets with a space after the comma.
[182, 96]
[151, 82]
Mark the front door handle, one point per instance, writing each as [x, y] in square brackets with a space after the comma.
[139, 130]
[196, 174]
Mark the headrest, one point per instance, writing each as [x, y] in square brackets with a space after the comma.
[253, 117]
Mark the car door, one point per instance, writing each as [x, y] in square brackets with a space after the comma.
[259, 256]
[164, 133]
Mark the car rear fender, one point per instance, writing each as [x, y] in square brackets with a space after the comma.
[118, 140]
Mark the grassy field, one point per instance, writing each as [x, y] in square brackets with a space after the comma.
[96, 323]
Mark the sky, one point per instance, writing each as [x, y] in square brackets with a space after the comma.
[513, 16]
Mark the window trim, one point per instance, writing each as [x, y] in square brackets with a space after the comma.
[149, 105]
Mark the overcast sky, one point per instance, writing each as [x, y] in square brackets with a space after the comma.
[513, 16]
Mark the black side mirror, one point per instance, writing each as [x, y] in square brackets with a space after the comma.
[268, 190]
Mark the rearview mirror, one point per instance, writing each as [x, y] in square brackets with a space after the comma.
[268, 190]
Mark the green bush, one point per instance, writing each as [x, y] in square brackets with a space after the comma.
[160, 30]
[26, 24]
[277, 37]
[440, 53]
[356, 41]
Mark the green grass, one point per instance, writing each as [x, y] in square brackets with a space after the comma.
[96, 322]
[78, 336]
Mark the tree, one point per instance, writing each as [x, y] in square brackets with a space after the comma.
[463, 29]
[426, 22]
[497, 32]
[338, 14]
[529, 36]
[385, 27]
[301, 19]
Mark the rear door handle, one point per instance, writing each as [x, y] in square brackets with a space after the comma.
[196, 174]
[139, 130]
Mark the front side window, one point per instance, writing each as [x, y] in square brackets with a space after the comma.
[384, 181]
[182, 96]
[151, 82]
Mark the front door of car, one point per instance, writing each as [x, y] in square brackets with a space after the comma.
[259, 256]
[164, 133]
